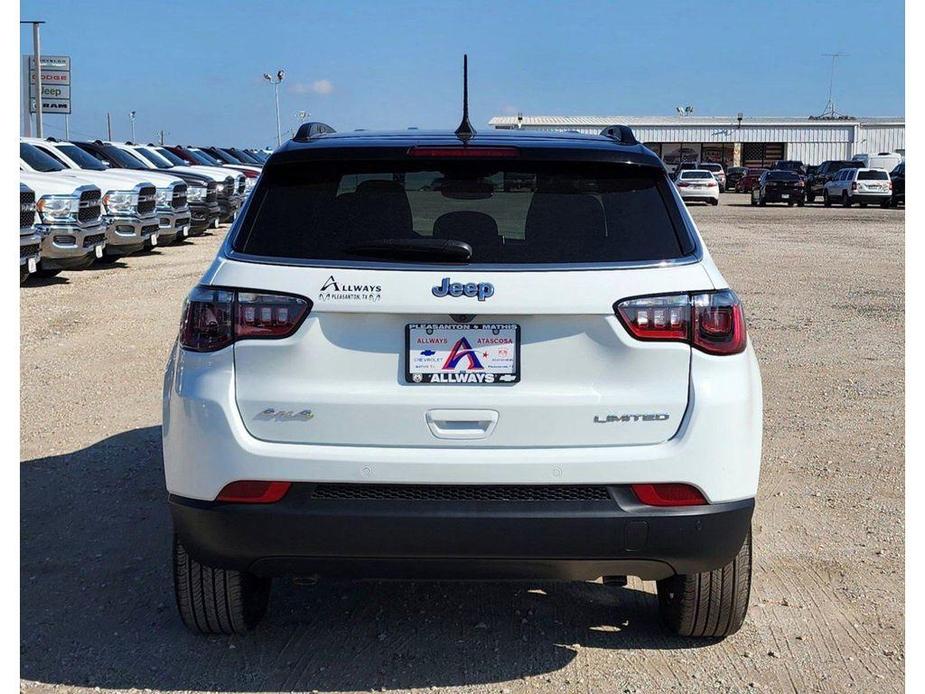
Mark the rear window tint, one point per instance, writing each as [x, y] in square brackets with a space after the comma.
[873, 175]
[711, 167]
[782, 176]
[509, 213]
[696, 174]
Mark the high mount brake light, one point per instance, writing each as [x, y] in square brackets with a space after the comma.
[668, 494]
[713, 322]
[464, 152]
[214, 318]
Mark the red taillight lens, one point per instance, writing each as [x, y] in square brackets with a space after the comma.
[453, 152]
[718, 325]
[253, 492]
[854, 186]
[657, 317]
[713, 322]
[668, 494]
[215, 318]
[683, 185]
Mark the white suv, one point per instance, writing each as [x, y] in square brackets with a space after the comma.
[499, 356]
[861, 186]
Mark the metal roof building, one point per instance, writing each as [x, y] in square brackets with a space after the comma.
[750, 141]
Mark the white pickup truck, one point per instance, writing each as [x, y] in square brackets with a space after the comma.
[30, 241]
[69, 220]
[128, 205]
[171, 207]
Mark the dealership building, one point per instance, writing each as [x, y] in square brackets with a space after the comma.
[737, 140]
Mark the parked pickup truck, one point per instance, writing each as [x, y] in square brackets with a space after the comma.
[70, 221]
[200, 194]
[128, 204]
[30, 241]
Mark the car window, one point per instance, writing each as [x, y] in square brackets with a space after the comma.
[155, 159]
[81, 158]
[518, 213]
[53, 155]
[170, 156]
[37, 159]
[873, 176]
[782, 176]
[696, 174]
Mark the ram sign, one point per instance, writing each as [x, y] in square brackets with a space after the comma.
[56, 84]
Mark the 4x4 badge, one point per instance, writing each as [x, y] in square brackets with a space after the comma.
[482, 290]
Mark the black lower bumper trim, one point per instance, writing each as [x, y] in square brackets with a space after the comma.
[462, 539]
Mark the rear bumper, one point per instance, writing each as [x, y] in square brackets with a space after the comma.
[575, 540]
[871, 197]
[778, 195]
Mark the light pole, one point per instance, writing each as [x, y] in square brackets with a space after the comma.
[279, 78]
[131, 117]
[37, 50]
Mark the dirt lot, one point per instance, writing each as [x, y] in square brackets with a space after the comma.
[823, 290]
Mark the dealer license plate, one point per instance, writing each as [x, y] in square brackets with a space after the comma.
[785, 196]
[450, 353]
[98, 250]
[31, 265]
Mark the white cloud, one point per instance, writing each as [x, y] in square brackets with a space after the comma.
[323, 87]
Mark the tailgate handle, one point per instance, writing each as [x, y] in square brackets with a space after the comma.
[461, 424]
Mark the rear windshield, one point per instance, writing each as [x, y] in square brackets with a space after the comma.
[509, 213]
[696, 174]
[782, 176]
[711, 167]
[873, 175]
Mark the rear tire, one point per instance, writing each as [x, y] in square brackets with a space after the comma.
[217, 601]
[23, 274]
[761, 201]
[46, 273]
[826, 201]
[754, 202]
[863, 204]
[885, 204]
[714, 202]
[845, 200]
[810, 197]
[711, 604]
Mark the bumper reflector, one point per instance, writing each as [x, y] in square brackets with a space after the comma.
[668, 494]
[253, 492]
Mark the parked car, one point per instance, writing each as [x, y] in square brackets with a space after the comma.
[718, 173]
[230, 190]
[811, 169]
[226, 158]
[69, 220]
[898, 179]
[171, 209]
[778, 185]
[335, 422]
[862, 186]
[748, 181]
[789, 165]
[734, 174]
[816, 181]
[127, 203]
[30, 241]
[698, 185]
[884, 160]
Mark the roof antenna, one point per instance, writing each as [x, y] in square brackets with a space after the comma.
[465, 129]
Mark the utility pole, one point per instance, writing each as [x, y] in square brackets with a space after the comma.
[830, 111]
[279, 78]
[131, 116]
[67, 127]
[162, 138]
[109, 126]
[37, 52]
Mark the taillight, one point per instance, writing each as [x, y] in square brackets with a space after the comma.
[713, 322]
[214, 318]
[711, 184]
[668, 494]
[854, 186]
[253, 492]
[683, 185]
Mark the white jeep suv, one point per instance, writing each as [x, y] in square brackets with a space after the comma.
[424, 355]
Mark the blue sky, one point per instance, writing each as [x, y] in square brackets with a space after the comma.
[194, 68]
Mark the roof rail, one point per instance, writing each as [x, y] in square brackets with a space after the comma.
[621, 133]
[312, 129]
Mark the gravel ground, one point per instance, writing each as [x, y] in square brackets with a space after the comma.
[823, 290]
